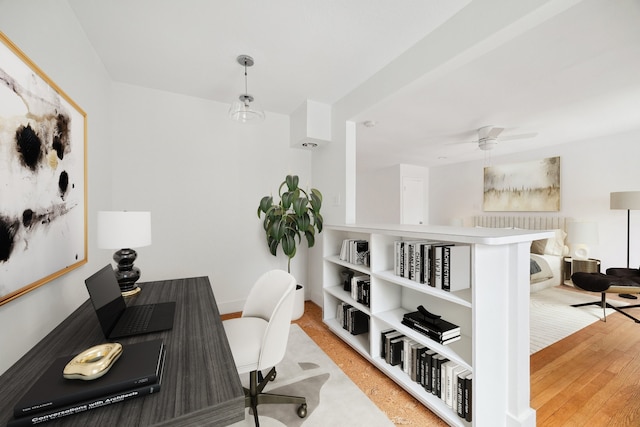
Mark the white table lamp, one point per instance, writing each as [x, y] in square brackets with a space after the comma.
[581, 235]
[124, 230]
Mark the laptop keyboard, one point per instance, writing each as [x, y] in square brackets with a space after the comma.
[138, 320]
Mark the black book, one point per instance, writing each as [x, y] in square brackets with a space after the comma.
[448, 338]
[460, 408]
[95, 403]
[138, 365]
[383, 336]
[359, 322]
[426, 369]
[395, 351]
[436, 380]
[440, 326]
[387, 343]
[468, 393]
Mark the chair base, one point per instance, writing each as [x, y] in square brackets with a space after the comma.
[604, 304]
[254, 396]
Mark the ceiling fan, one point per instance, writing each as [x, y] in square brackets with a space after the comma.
[488, 137]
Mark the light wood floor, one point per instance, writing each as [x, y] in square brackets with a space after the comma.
[591, 378]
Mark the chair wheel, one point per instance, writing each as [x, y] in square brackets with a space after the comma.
[302, 410]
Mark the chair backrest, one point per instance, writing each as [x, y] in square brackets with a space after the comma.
[271, 299]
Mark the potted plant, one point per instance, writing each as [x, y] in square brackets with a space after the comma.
[296, 214]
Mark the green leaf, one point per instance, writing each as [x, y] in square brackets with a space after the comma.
[303, 221]
[300, 206]
[273, 246]
[279, 229]
[316, 193]
[265, 204]
[287, 199]
[319, 222]
[316, 200]
[289, 246]
[292, 182]
[311, 238]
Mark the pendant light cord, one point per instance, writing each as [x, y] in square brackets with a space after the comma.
[246, 92]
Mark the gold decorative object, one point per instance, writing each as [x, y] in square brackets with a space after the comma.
[93, 363]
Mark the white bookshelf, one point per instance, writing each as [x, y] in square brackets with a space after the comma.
[493, 313]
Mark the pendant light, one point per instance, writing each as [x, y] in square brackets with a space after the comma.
[245, 109]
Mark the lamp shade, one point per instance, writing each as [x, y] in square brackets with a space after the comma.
[580, 236]
[246, 109]
[123, 229]
[625, 200]
[585, 232]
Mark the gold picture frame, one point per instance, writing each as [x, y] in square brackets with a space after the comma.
[43, 177]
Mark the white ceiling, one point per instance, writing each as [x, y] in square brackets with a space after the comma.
[565, 71]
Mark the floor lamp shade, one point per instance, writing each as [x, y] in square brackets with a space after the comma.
[124, 230]
[629, 200]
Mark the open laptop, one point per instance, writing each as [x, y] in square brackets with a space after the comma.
[116, 319]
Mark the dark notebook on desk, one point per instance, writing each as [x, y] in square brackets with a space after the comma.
[116, 319]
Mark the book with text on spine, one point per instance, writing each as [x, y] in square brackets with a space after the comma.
[95, 403]
[138, 365]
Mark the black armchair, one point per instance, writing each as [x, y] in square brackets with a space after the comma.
[615, 281]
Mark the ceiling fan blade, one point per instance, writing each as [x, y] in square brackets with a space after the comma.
[494, 132]
[519, 136]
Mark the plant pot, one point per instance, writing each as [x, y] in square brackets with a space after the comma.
[298, 303]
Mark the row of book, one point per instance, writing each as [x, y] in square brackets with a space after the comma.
[436, 328]
[440, 265]
[137, 373]
[352, 319]
[444, 378]
[360, 289]
[355, 251]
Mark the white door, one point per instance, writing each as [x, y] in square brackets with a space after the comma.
[412, 200]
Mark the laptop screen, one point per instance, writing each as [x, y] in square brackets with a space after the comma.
[106, 297]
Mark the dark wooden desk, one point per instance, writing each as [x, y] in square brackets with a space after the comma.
[200, 386]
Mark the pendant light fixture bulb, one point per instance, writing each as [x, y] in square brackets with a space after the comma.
[245, 109]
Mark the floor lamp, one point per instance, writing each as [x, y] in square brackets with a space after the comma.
[626, 200]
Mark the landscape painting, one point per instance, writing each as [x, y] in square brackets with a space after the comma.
[523, 187]
[42, 177]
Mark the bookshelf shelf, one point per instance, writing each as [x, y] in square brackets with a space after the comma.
[492, 311]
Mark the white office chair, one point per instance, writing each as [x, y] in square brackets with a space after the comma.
[258, 339]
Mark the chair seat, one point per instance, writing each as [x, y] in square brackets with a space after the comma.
[245, 336]
[598, 282]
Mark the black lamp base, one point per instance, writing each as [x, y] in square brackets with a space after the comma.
[126, 274]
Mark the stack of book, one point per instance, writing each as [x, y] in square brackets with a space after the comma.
[444, 378]
[440, 265]
[355, 251]
[138, 372]
[352, 319]
[437, 329]
[360, 289]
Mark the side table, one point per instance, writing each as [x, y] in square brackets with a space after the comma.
[571, 265]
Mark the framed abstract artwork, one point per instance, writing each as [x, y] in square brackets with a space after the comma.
[43, 174]
[527, 187]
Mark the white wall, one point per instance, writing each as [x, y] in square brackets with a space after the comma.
[378, 196]
[590, 171]
[202, 176]
[49, 35]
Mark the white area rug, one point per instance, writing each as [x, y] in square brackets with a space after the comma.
[552, 318]
[332, 398]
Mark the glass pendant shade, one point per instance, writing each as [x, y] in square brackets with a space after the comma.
[245, 109]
